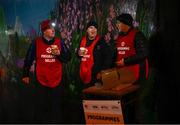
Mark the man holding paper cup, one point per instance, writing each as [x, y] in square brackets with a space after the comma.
[95, 55]
[49, 54]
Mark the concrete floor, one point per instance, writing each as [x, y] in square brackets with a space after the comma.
[16, 106]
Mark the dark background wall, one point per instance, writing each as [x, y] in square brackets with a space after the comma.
[165, 53]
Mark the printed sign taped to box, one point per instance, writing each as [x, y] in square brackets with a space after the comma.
[103, 112]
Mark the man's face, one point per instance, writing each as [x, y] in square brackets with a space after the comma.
[122, 27]
[92, 32]
[49, 33]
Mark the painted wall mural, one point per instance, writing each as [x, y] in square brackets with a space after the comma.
[71, 17]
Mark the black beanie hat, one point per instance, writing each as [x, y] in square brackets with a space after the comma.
[126, 19]
[92, 23]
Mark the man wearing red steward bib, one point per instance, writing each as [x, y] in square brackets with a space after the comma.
[49, 53]
[95, 55]
[132, 53]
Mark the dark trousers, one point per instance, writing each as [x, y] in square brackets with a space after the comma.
[49, 104]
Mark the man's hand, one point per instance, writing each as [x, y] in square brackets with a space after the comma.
[98, 76]
[82, 51]
[120, 62]
[56, 52]
[26, 80]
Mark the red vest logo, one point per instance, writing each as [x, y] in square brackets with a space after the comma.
[48, 50]
[123, 43]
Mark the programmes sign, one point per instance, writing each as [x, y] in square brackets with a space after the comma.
[103, 112]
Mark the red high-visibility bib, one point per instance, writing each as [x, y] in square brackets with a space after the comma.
[87, 61]
[125, 48]
[48, 67]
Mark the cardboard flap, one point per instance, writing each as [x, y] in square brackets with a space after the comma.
[116, 77]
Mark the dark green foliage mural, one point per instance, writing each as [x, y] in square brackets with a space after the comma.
[3, 37]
